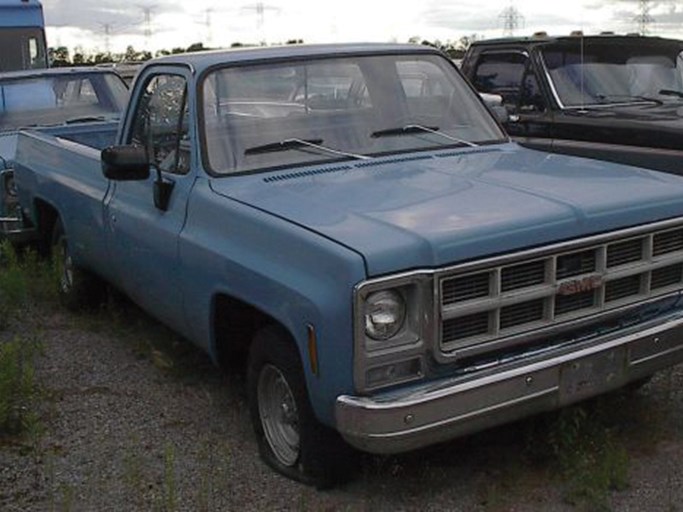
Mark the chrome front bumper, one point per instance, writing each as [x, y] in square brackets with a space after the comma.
[422, 415]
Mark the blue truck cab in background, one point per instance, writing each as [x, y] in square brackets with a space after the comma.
[78, 104]
[22, 35]
[353, 221]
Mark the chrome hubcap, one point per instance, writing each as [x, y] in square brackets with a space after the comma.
[279, 415]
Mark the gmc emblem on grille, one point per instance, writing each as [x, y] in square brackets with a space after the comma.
[575, 286]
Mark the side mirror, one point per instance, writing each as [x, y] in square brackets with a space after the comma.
[494, 102]
[491, 100]
[125, 163]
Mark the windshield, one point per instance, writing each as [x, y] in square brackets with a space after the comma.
[53, 99]
[597, 72]
[263, 116]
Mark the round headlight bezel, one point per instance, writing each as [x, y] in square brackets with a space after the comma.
[385, 314]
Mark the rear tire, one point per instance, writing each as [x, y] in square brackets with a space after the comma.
[77, 288]
[290, 438]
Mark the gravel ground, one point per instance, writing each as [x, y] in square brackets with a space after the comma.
[131, 426]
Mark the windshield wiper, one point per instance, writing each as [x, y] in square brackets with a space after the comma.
[294, 143]
[417, 128]
[613, 98]
[670, 92]
[85, 119]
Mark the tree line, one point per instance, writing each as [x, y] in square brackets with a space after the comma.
[60, 56]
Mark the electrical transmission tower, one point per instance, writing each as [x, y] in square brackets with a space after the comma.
[643, 18]
[260, 9]
[512, 20]
[147, 11]
[107, 35]
[209, 35]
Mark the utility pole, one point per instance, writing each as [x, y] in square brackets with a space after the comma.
[512, 20]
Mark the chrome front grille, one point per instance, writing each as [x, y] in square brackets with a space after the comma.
[486, 305]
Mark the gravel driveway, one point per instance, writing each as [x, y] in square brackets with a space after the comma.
[129, 425]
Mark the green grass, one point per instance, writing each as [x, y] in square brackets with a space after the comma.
[13, 285]
[19, 391]
[24, 279]
[585, 445]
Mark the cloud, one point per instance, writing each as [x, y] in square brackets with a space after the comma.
[92, 14]
[174, 23]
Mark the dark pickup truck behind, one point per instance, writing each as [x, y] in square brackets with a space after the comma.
[617, 98]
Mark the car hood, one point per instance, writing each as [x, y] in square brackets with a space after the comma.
[442, 208]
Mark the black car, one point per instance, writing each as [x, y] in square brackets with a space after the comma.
[612, 97]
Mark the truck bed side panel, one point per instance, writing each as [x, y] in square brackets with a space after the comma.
[68, 177]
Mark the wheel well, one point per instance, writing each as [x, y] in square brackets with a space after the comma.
[46, 216]
[235, 324]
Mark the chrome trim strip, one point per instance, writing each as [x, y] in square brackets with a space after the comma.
[525, 253]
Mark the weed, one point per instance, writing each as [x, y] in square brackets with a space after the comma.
[170, 494]
[133, 474]
[18, 389]
[13, 285]
[24, 278]
[67, 493]
[587, 446]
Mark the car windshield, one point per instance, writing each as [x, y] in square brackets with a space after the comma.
[599, 72]
[283, 114]
[53, 99]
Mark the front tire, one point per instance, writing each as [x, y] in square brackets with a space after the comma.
[290, 438]
[77, 288]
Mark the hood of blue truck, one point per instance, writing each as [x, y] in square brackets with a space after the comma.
[431, 210]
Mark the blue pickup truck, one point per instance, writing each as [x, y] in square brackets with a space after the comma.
[79, 104]
[353, 220]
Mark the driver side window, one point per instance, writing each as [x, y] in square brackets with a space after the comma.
[161, 123]
[501, 73]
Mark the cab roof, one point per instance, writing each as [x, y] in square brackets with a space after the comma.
[542, 38]
[200, 61]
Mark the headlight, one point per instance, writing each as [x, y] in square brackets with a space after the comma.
[385, 313]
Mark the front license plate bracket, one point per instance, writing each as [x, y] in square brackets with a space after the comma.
[592, 375]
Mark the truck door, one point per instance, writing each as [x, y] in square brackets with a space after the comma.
[144, 218]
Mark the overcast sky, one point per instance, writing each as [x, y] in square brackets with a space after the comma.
[156, 24]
